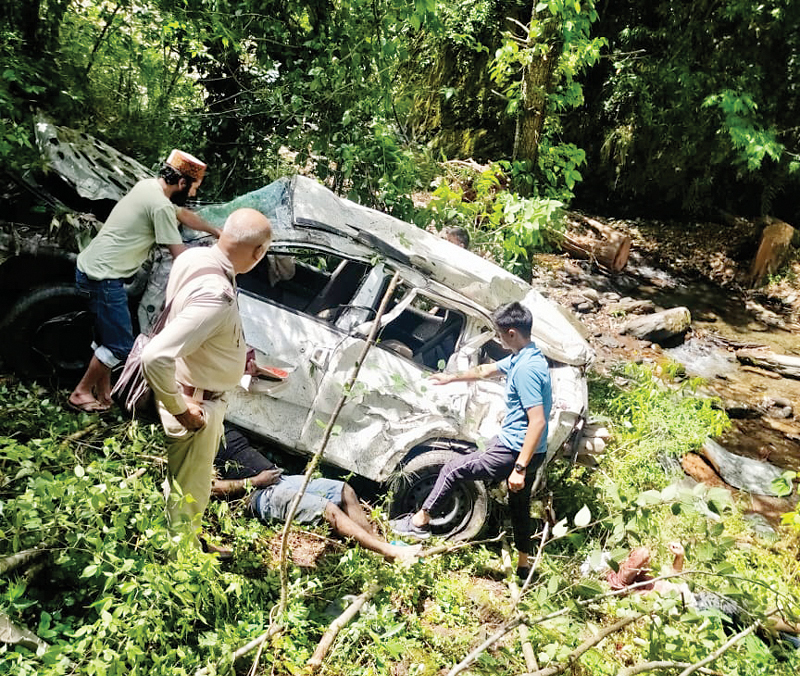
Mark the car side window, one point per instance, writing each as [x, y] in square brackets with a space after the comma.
[312, 282]
[425, 331]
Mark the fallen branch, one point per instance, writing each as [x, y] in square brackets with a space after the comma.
[317, 457]
[522, 618]
[660, 665]
[14, 561]
[537, 560]
[588, 644]
[719, 651]
[336, 626]
[255, 643]
[446, 549]
[75, 436]
[11, 633]
[138, 473]
[524, 635]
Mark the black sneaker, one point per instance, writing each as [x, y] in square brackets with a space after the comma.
[404, 527]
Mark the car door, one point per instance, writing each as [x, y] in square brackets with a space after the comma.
[284, 322]
[393, 406]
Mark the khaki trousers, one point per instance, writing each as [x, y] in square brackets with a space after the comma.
[190, 460]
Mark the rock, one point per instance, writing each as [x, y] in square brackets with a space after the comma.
[667, 327]
[632, 307]
[585, 307]
[611, 297]
[591, 294]
[743, 473]
[760, 525]
[740, 410]
[776, 407]
[608, 341]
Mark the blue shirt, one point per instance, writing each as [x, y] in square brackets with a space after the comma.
[527, 385]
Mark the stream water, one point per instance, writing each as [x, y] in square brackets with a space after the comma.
[718, 312]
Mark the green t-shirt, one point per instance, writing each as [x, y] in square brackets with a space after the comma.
[144, 217]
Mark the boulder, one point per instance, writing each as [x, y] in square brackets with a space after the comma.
[753, 476]
[632, 307]
[665, 328]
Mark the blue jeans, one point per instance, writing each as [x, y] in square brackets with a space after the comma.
[273, 502]
[108, 302]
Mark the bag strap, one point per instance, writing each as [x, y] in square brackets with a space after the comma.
[162, 317]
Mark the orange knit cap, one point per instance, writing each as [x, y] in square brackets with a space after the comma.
[187, 164]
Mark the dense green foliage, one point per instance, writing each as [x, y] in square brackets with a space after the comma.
[685, 108]
[695, 107]
[116, 596]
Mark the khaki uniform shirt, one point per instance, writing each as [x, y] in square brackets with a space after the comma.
[202, 344]
[144, 217]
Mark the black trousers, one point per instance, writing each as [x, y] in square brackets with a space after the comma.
[495, 463]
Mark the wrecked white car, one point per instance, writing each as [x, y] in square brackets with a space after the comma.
[308, 307]
[313, 316]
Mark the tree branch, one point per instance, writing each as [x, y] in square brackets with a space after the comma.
[588, 644]
[336, 626]
[315, 459]
[663, 664]
[719, 651]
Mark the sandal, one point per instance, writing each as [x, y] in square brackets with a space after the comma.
[91, 406]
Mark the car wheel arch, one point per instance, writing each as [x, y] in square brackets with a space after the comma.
[465, 513]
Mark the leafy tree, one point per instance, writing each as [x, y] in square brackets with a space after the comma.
[694, 108]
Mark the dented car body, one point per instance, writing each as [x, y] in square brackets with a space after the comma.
[314, 323]
[308, 308]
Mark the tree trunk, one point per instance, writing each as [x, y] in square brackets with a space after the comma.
[775, 242]
[787, 366]
[537, 79]
[594, 240]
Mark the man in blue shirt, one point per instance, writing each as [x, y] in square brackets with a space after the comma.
[519, 448]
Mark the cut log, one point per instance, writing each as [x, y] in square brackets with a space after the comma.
[787, 366]
[775, 242]
[598, 242]
[665, 328]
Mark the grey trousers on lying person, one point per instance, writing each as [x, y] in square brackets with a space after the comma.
[495, 463]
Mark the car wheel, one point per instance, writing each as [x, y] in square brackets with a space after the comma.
[464, 514]
[48, 331]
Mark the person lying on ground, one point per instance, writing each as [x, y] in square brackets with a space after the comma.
[239, 466]
[635, 568]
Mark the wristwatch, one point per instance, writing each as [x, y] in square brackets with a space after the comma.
[519, 468]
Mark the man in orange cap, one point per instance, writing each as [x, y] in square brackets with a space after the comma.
[149, 214]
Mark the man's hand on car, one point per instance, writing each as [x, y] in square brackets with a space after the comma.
[441, 378]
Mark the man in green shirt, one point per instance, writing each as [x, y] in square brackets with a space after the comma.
[147, 215]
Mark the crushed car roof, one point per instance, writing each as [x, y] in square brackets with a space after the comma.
[303, 211]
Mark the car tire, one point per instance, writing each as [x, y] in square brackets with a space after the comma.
[48, 331]
[465, 513]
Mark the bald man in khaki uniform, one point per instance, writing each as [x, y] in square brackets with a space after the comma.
[199, 356]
